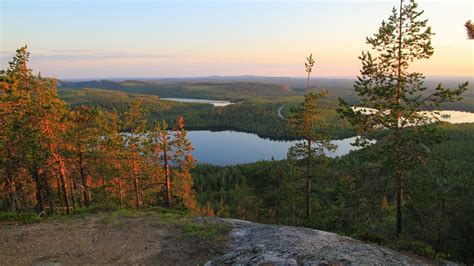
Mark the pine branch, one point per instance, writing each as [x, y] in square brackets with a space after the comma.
[470, 29]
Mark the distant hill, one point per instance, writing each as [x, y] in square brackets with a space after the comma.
[234, 91]
[240, 88]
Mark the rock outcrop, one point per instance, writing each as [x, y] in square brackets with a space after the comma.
[253, 243]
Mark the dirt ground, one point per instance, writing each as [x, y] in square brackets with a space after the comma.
[102, 239]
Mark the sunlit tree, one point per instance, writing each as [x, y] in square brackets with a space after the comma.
[183, 163]
[33, 136]
[135, 122]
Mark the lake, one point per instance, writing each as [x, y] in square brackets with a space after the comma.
[453, 117]
[189, 100]
[231, 147]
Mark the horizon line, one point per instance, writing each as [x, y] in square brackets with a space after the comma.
[236, 76]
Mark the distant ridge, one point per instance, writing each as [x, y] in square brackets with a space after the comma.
[212, 77]
[239, 77]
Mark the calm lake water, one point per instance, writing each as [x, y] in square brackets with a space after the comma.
[188, 100]
[453, 117]
[231, 147]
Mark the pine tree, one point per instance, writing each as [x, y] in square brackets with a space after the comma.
[15, 98]
[308, 124]
[162, 146]
[391, 97]
[111, 166]
[53, 129]
[33, 136]
[183, 163]
[135, 122]
[84, 137]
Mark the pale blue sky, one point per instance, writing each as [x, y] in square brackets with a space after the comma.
[100, 39]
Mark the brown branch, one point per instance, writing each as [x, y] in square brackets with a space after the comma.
[470, 29]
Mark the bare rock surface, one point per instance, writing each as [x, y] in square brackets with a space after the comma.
[253, 243]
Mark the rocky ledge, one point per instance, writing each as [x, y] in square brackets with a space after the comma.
[253, 243]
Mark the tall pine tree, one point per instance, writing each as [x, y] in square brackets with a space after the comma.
[308, 124]
[396, 96]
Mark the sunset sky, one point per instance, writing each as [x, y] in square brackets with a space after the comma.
[106, 39]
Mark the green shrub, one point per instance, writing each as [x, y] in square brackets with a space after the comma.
[368, 236]
[416, 247]
[25, 218]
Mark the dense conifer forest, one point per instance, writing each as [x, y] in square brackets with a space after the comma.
[71, 146]
[354, 196]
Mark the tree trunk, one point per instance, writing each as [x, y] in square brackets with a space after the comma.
[135, 172]
[62, 175]
[399, 203]
[307, 84]
[121, 193]
[277, 212]
[85, 188]
[60, 164]
[60, 195]
[48, 196]
[308, 182]
[74, 193]
[142, 194]
[12, 201]
[40, 196]
[399, 171]
[106, 194]
[167, 170]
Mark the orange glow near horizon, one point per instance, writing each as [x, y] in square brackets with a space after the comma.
[236, 38]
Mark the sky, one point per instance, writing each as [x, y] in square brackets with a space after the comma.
[184, 38]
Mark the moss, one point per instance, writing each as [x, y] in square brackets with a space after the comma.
[206, 230]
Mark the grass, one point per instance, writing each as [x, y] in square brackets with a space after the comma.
[207, 230]
[23, 218]
[111, 212]
[157, 216]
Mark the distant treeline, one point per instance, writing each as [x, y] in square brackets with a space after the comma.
[259, 115]
[244, 88]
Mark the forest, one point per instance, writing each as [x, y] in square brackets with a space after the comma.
[353, 196]
[55, 158]
[257, 114]
[71, 146]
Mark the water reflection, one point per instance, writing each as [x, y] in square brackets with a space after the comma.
[189, 100]
[231, 147]
[454, 117]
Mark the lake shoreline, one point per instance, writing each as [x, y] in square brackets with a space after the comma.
[223, 148]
